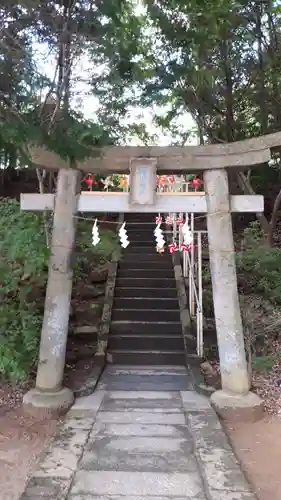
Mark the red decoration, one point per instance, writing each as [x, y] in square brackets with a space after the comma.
[169, 220]
[185, 248]
[89, 180]
[172, 247]
[196, 183]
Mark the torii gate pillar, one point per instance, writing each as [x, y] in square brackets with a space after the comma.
[234, 400]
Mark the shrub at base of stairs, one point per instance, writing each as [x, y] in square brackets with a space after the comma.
[23, 276]
[23, 272]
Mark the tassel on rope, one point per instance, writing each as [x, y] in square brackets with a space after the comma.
[95, 234]
[123, 236]
[160, 240]
[187, 236]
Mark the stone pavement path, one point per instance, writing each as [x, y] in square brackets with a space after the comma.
[138, 445]
[146, 378]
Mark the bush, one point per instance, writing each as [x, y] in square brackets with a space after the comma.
[23, 277]
[23, 266]
[20, 325]
[105, 248]
[259, 267]
[89, 257]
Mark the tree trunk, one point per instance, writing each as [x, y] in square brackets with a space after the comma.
[228, 89]
[274, 218]
[247, 188]
[272, 54]
[261, 75]
[58, 295]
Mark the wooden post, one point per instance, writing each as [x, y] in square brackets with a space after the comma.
[49, 392]
[230, 337]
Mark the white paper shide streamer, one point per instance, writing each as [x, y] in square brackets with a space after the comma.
[160, 240]
[95, 234]
[123, 236]
[187, 234]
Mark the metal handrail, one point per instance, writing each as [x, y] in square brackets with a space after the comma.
[194, 275]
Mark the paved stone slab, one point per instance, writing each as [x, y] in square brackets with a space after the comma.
[146, 369]
[117, 497]
[139, 454]
[142, 384]
[150, 409]
[154, 395]
[137, 483]
[73, 422]
[58, 463]
[207, 431]
[222, 471]
[62, 457]
[50, 488]
[192, 401]
[162, 378]
[133, 417]
[71, 438]
[87, 404]
[219, 467]
[158, 405]
[136, 445]
[107, 429]
[231, 495]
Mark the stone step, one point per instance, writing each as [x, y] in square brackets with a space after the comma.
[141, 327]
[145, 292]
[123, 357]
[146, 273]
[139, 227]
[146, 303]
[143, 370]
[148, 249]
[159, 283]
[167, 315]
[134, 342]
[136, 225]
[145, 235]
[146, 378]
[151, 256]
[151, 242]
[141, 217]
[140, 264]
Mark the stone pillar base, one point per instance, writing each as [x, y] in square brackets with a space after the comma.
[238, 407]
[50, 404]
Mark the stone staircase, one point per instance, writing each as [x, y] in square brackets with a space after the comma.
[145, 326]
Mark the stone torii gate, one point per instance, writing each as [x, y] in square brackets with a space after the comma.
[142, 163]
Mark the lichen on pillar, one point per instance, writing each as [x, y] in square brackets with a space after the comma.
[49, 392]
[230, 337]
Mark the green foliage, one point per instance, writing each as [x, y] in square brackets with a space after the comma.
[105, 248]
[264, 364]
[22, 245]
[72, 137]
[20, 324]
[259, 266]
[23, 276]
[23, 269]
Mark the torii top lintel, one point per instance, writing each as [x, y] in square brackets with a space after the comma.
[117, 159]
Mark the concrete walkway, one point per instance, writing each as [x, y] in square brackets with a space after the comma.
[137, 445]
